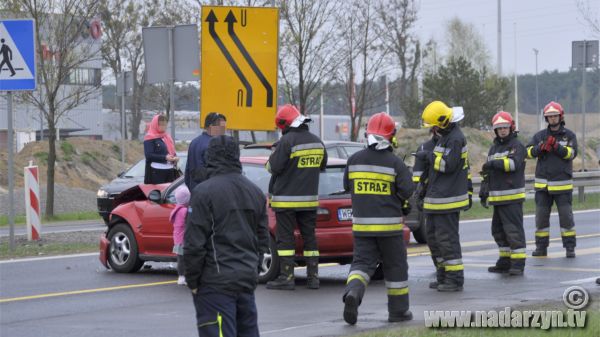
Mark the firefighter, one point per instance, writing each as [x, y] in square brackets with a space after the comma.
[446, 195]
[504, 171]
[555, 149]
[380, 184]
[295, 166]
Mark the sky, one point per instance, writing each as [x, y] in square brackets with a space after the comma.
[547, 25]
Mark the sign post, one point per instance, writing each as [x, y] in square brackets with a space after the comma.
[17, 56]
[239, 62]
[124, 88]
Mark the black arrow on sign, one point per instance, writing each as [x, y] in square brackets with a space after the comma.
[231, 20]
[211, 19]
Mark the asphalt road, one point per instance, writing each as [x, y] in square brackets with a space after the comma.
[76, 296]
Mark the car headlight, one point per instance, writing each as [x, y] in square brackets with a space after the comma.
[102, 193]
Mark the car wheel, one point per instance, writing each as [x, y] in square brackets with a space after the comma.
[123, 250]
[420, 234]
[270, 266]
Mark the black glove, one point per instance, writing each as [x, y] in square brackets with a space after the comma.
[470, 202]
[261, 258]
[422, 156]
[486, 166]
[420, 202]
[406, 208]
[483, 201]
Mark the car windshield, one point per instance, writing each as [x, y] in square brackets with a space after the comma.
[330, 181]
[255, 152]
[138, 170]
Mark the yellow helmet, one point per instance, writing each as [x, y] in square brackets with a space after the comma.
[436, 114]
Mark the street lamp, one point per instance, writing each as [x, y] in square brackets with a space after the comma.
[537, 92]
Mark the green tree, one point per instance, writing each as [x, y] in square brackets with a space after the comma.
[459, 84]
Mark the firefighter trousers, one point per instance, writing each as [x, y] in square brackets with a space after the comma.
[368, 251]
[543, 206]
[508, 232]
[286, 223]
[444, 242]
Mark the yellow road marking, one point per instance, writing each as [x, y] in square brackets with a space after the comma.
[591, 270]
[85, 291]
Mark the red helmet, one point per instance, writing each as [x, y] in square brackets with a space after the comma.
[503, 120]
[289, 116]
[553, 109]
[381, 124]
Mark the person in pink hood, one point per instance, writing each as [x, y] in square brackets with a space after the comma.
[177, 218]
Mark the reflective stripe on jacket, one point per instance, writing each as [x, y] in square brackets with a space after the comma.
[507, 175]
[554, 170]
[379, 183]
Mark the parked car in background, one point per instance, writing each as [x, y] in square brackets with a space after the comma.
[335, 149]
[139, 229]
[133, 176]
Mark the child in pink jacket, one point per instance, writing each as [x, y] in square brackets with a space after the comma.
[177, 218]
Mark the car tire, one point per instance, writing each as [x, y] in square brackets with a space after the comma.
[270, 266]
[123, 250]
[420, 234]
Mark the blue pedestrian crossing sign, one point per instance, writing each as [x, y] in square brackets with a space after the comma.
[17, 54]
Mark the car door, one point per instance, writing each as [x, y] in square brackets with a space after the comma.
[156, 229]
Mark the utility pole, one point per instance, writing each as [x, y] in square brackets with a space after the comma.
[516, 81]
[583, 68]
[499, 39]
[537, 92]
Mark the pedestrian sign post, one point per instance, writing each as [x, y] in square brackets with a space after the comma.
[239, 65]
[17, 72]
[17, 55]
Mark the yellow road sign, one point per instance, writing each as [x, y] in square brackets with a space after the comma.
[239, 65]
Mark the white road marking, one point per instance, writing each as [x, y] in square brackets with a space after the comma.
[581, 280]
[529, 216]
[56, 257]
[292, 328]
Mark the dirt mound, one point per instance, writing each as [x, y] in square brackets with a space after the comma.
[81, 162]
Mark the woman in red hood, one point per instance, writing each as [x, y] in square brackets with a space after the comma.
[159, 149]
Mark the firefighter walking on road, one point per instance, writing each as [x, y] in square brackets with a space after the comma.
[379, 184]
[447, 194]
[555, 149]
[295, 166]
[504, 173]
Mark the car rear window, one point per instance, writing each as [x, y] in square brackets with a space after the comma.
[330, 181]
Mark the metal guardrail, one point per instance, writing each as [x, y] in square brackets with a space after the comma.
[580, 180]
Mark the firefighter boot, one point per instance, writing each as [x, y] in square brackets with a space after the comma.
[354, 293]
[439, 275]
[516, 267]
[285, 280]
[570, 252]
[502, 266]
[453, 281]
[398, 308]
[312, 273]
[540, 251]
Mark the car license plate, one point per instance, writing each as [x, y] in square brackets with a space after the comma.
[345, 214]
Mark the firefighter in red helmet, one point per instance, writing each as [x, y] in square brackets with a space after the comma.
[380, 185]
[555, 149]
[295, 166]
[504, 173]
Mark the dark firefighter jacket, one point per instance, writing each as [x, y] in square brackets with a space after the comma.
[379, 183]
[448, 176]
[506, 176]
[226, 227]
[554, 170]
[295, 166]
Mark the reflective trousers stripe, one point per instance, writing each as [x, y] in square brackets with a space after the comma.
[560, 187]
[518, 255]
[542, 233]
[377, 228]
[568, 233]
[457, 267]
[219, 323]
[286, 252]
[506, 197]
[397, 292]
[359, 277]
[311, 253]
[446, 206]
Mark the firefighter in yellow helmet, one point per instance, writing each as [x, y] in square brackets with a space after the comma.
[446, 195]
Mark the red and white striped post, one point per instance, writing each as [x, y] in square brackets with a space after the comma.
[32, 202]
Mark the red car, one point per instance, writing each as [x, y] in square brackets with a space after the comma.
[139, 229]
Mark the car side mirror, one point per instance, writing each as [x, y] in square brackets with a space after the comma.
[154, 196]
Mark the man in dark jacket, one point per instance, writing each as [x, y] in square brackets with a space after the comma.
[379, 184]
[504, 171]
[447, 194]
[555, 149]
[195, 169]
[226, 235]
[295, 166]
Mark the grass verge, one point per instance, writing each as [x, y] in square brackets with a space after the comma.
[51, 244]
[592, 328]
[20, 219]
[592, 201]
